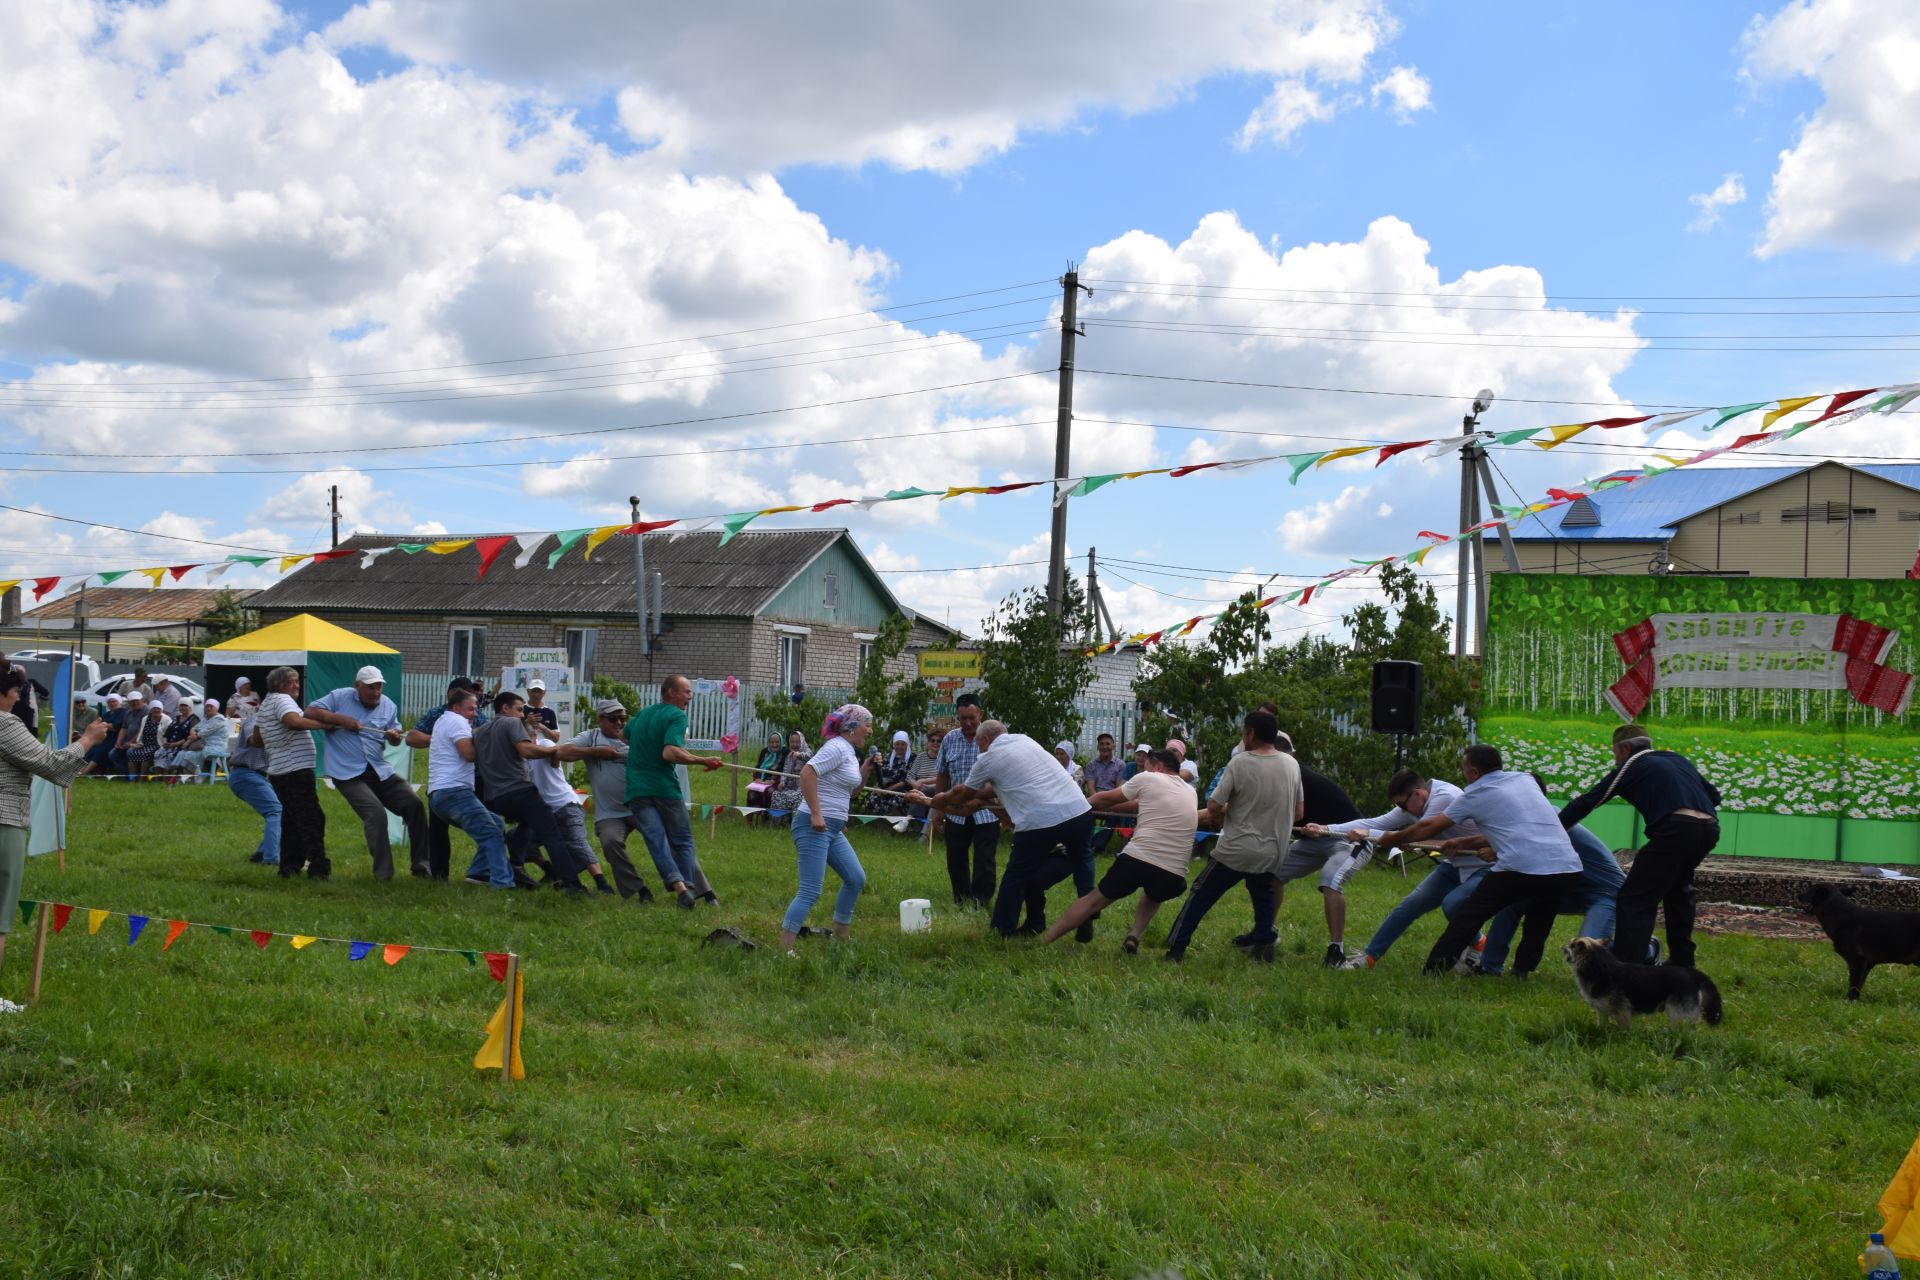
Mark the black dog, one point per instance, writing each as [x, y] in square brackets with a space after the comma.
[1618, 990]
[1863, 936]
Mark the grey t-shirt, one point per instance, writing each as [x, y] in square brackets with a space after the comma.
[1260, 793]
[288, 750]
[496, 758]
[607, 779]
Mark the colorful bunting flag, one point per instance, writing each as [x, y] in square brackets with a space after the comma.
[43, 585]
[153, 576]
[1788, 406]
[96, 918]
[180, 571]
[1561, 435]
[110, 576]
[1300, 462]
[261, 937]
[600, 535]
[134, 925]
[358, 950]
[1729, 414]
[62, 912]
[26, 910]
[1338, 454]
[529, 543]
[496, 1052]
[301, 941]
[497, 965]
[393, 953]
[174, 929]
[1389, 451]
[490, 549]
[1516, 437]
[567, 540]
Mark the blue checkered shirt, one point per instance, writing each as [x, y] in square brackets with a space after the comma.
[957, 754]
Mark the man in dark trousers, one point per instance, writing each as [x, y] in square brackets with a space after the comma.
[1679, 808]
[501, 751]
[978, 832]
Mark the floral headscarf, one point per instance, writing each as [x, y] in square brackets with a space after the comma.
[846, 720]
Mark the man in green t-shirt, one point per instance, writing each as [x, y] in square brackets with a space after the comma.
[656, 742]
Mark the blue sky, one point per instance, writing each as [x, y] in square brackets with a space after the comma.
[363, 188]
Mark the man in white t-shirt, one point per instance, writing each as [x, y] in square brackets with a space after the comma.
[450, 792]
[1053, 822]
[1156, 857]
[549, 773]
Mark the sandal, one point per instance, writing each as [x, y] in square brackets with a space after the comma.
[1132, 944]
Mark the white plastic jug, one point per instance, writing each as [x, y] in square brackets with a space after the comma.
[916, 915]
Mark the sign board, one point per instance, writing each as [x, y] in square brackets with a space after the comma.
[949, 664]
[540, 658]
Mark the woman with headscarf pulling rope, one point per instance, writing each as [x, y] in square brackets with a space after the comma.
[827, 783]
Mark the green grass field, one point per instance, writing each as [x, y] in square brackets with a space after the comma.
[905, 1106]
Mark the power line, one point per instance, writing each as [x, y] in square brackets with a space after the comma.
[1572, 297]
[1467, 340]
[139, 533]
[1445, 302]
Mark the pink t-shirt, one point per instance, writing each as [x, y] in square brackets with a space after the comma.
[1163, 829]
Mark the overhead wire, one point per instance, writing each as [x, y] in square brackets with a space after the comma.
[1572, 297]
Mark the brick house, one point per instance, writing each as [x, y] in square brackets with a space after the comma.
[778, 607]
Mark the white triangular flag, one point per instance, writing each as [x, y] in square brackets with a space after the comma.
[370, 554]
[1668, 419]
[215, 570]
[1452, 444]
[529, 542]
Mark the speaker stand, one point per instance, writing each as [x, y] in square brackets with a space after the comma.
[1399, 750]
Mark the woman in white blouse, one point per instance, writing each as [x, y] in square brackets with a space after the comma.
[827, 783]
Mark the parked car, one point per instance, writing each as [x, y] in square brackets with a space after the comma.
[96, 694]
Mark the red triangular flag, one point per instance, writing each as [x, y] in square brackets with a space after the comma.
[261, 937]
[1308, 593]
[394, 952]
[61, 911]
[180, 571]
[830, 504]
[490, 549]
[43, 585]
[1564, 495]
[497, 965]
[1437, 537]
[1840, 402]
[648, 526]
[1179, 472]
[1610, 424]
[1392, 449]
[1743, 441]
[174, 929]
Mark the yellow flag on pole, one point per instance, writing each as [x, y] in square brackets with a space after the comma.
[489, 1057]
[95, 918]
[1900, 1206]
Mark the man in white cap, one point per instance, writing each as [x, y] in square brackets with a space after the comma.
[361, 722]
[537, 709]
[1138, 765]
[167, 696]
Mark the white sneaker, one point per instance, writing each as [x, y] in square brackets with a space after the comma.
[8, 1006]
[1468, 964]
[1359, 960]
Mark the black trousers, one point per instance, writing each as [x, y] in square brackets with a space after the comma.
[1209, 887]
[1538, 897]
[1041, 858]
[303, 824]
[982, 841]
[535, 825]
[1662, 876]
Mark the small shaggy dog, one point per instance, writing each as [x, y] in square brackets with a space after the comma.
[1863, 936]
[1618, 990]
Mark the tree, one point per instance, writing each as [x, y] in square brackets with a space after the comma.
[780, 711]
[896, 704]
[1034, 675]
[1322, 688]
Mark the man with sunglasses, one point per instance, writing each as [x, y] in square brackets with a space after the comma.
[604, 750]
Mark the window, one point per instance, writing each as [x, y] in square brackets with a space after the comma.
[1828, 513]
[1745, 517]
[866, 652]
[793, 660]
[831, 594]
[466, 651]
[1910, 517]
[582, 643]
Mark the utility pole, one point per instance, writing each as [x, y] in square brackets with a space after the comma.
[333, 508]
[1096, 603]
[640, 582]
[1471, 566]
[1063, 438]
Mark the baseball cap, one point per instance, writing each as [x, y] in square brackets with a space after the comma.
[113, 698]
[608, 707]
[1142, 749]
[536, 683]
[369, 675]
[162, 679]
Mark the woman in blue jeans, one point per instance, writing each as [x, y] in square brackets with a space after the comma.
[827, 783]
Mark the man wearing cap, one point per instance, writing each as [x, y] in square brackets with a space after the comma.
[538, 712]
[166, 695]
[361, 722]
[604, 749]
[129, 735]
[420, 738]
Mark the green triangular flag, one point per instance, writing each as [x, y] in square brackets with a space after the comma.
[252, 560]
[1515, 437]
[567, 540]
[107, 576]
[897, 495]
[473, 959]
[225, 931]
[26, 910]
[732, 524]
[410, 548]
[1729, 414]
[1091, 483]
[1300, 462]
[1510, 513]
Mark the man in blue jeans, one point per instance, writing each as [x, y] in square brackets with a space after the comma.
[450, 791]
[247, 780]
[1444, 888]
[656, 742]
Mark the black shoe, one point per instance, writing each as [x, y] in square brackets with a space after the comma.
[686, 899]
[572, 888]
[421, 871]
[1176, 955]
[1262, 952]
[1084, 933]
[1131, 946]
[1032, 929]
[1246, 940]
[256, 856]
[482, 881]
[600, 883]
[711, 898]
[1335, 957]
[644, 897]
[521, 880]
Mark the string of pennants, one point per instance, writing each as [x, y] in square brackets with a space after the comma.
[1841, 407]
[391, 952]
[526, 545]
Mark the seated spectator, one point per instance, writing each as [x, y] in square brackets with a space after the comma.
[207, 740]
[83, 715]
[175, 739]
[145, 739]
[785, 797]
[1063, 752]
[113, 715]
[892, 775]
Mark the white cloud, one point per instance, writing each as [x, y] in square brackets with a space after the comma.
[1711, 204]
[1852, 177]
[1289, 107]
[1407, 90]
[913, 86]
[1326, 526]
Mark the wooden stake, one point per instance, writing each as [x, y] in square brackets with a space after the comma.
[39, 953]
[513, 993]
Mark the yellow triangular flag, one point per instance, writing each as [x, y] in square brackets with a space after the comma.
[287, 562]
[448, 548]
[8, 584]
[96, 918]
[301, 941]
[154, 575]
[1562, 434]
[1786, 407]
[1900, 1206]
[1338, 454]
[488, 1059]
[1420, 556]
[598, 536]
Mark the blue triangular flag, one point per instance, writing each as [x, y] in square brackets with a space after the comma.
[134, 925]
[358, 950]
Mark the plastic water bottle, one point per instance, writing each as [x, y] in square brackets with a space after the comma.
[1879, 1260]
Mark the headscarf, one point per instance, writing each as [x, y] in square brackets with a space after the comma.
[844, 721]
[1068, 748]
[211, 706]
[900, 739]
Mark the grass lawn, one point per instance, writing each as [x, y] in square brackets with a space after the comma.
[906, 1106]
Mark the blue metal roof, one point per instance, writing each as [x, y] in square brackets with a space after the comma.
[1647, 512]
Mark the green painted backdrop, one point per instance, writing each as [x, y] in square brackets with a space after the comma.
[1804, 773]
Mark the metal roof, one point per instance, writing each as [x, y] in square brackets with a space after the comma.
[701, 578]
[136, 604]
[1648, 511]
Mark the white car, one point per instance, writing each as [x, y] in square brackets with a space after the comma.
[96, 696]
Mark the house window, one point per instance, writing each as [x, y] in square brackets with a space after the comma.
[466, 651]
[866, 652]
[793, 660]
[1828, 513]
[831, 595]
[582, 642]
[1745, 517]
[1910, 517]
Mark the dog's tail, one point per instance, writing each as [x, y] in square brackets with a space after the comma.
[1710, 1009]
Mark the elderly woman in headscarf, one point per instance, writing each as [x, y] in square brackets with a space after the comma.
[22, 758]
[786, 782]
[892, 773]
[146, 738]
[1063, 752]
[827, 784]
[174, 743]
